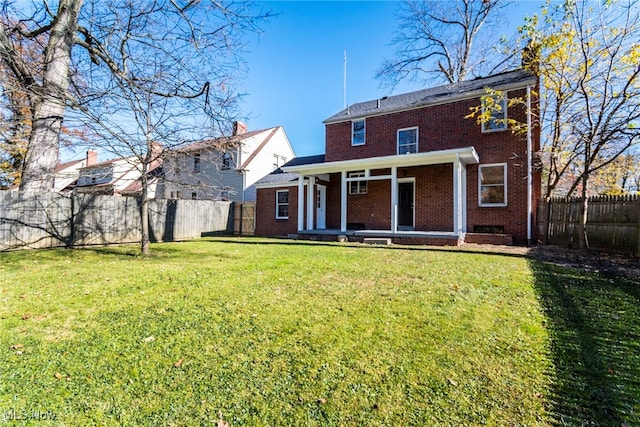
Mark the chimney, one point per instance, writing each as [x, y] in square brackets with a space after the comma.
[239, 128]
[156, 149]
[92, 157]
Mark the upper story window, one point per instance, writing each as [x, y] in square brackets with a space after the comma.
[492, 180]
[357, 187]
[226, 161]
[358, 132]
[408, 140]
[497, 108]
[196, 163]
[282, 204]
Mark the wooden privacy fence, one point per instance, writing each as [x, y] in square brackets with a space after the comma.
[47, 220]
[613, 222]
[244, 218]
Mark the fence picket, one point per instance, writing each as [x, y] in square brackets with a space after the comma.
[613, 222]
[55, 220]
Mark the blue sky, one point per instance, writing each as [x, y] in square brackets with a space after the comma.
[296, 65]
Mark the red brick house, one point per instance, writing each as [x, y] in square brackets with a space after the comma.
[412, 168]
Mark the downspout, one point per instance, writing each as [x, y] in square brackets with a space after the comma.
[244, 185]
[529, 171]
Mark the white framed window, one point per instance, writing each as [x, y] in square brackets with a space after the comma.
[357, 187]
[497, 106]
[358, 132]
[408, 140]
[282, 204]
[276, 161]
[226, 161]
[492, 184]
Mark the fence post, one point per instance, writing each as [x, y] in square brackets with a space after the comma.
[545, 219]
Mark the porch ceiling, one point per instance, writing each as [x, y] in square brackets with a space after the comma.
[466, 155]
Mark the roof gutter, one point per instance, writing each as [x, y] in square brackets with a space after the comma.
[467, 155]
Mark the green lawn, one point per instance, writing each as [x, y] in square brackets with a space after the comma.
[276, 332]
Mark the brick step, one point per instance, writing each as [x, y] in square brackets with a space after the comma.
[376, 241]
[488, 239]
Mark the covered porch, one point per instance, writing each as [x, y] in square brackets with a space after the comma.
[311, 222]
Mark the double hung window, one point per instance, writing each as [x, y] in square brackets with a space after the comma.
[358, 136]
[282, 204]
[408, 140]
[493, 184]
[357, 187]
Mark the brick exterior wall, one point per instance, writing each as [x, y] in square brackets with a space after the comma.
[441, 127]
[266, 222]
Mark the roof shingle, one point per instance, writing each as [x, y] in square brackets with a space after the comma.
[434, 95]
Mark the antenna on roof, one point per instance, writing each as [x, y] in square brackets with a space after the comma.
[345, 78]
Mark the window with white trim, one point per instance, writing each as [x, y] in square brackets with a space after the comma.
[282, 204]
[358, 135]
[497, 106]
[226, 161]
[357, 187]
[408, 140]
[492, 182]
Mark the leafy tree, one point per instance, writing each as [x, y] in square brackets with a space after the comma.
[588, 63]
[445, 41]
[132, 73]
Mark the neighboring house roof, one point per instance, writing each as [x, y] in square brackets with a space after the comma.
[436, 95]
[121, 182]
[278, 176]
[62, 166]
[105, 163]
[220, 141]
[154, 171]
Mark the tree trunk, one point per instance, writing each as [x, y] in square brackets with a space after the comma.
[144, 215]
[583, 240]
[49, 102]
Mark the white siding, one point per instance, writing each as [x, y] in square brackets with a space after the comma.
[214, 182]
[262, 163]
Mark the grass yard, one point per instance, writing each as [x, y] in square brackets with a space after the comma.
[273, 332]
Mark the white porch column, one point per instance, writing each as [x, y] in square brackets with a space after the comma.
[300, 202]
[394, 199]
[458, 202]
[463, 195]
[343, 202]
[310, 202]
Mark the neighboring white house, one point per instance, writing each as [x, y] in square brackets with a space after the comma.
[225, 168]
[120, 177]
[66, 174]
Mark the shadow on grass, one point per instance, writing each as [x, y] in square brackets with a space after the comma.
[594, 327]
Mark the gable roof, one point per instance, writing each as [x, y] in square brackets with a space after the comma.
[62, 166]
[154, 171]
[436, 95]
[278, 176]
[222, 140]
[260, 147]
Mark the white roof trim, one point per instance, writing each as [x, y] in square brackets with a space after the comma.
[467, 155]
[293, 183]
